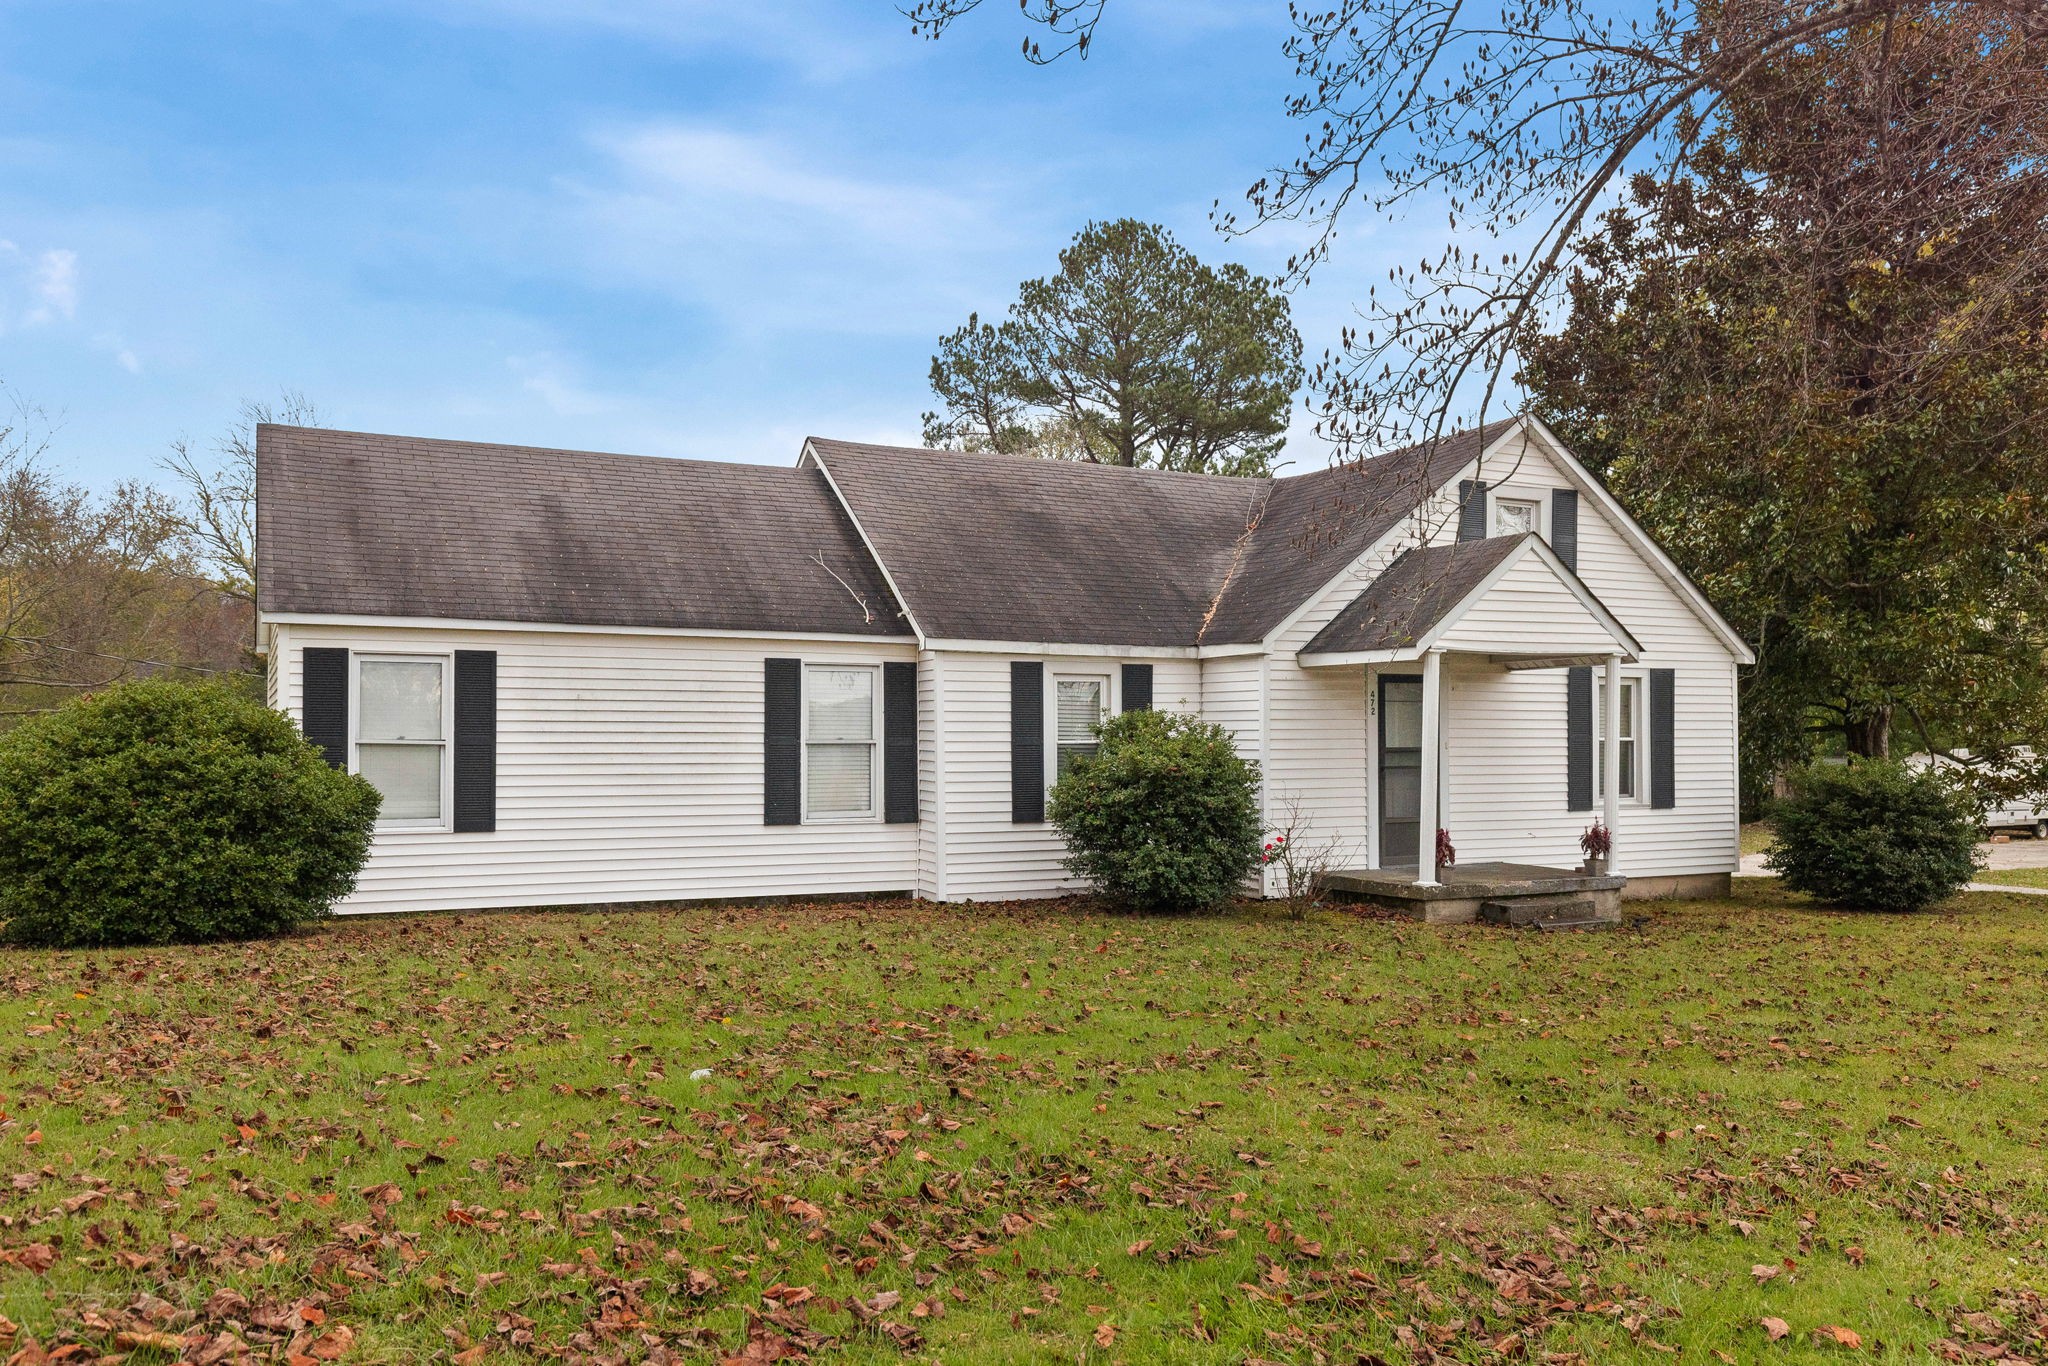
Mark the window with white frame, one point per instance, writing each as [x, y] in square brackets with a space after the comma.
[1631, 728]
[840, 726]
[402, 736]
[1513, 516]
[1079, 706]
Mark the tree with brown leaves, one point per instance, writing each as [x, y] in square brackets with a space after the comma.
[1519, 120]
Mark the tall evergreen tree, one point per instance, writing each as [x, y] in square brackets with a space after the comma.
[1132, 353]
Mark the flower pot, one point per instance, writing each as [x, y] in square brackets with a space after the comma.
[1596, 866]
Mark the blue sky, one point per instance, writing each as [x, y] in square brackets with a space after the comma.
[681, 228]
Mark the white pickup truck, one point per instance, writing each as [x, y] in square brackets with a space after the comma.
[2022, 814]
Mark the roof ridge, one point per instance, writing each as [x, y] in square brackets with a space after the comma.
[1043, 461]
[1412, 448]
[527, 448]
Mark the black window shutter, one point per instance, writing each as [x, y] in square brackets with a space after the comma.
[1027, 740]
[1578, 739]
[782, 697]
[1137, 687]
[476, 740]
[323, 701]
[1564, 526]
[1471, 510]
[899, 743]
[1663, 738]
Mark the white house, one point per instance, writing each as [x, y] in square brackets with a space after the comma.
[585, 678]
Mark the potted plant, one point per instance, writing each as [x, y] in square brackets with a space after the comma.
[1598, 842]
[1446, 852]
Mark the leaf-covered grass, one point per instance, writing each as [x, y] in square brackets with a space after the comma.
[1004, 1133]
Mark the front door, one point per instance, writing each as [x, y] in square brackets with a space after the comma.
[1400, 794]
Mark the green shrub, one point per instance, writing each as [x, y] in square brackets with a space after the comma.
[161, 812]
[1876, 836]
[1165, 816]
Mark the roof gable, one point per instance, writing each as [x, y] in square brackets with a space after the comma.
[1501, 594]
[356, 524]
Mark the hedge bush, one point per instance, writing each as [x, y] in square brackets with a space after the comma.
[161, 812]
[1165, 816]
[1875, 835]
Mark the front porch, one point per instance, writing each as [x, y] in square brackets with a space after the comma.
[1461, 647]
[1521, 894]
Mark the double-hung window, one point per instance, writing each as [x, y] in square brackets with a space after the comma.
[840, 704]
[1079, 706]
[402, 736]
[1631, 693]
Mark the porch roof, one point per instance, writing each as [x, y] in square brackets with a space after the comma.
[1436, 597]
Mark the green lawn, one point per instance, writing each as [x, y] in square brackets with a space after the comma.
[1757, 837]
[1004, 1133]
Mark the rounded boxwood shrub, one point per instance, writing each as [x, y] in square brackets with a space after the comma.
[1164, 816]
[1875, 835]
[160, 812]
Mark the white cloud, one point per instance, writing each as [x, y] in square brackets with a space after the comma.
[56, 285]
[37, 288]
[767, 238]
[547, 378]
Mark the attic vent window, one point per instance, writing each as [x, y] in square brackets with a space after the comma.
[1513, 516]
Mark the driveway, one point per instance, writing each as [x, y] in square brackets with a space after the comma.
[2017, 853]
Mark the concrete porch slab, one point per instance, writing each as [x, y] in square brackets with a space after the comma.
[1464, 888]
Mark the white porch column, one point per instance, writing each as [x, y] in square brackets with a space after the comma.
[1372, 767]
[1432, 725]
[1610, 755]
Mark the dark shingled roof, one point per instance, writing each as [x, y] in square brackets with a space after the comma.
[1314, 525]
[1411, 595]
[1012, 548]
[350, 523]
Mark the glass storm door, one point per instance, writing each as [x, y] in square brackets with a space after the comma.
[1400, 794]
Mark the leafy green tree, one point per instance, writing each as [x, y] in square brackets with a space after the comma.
[1132, 353]
[1837, 437]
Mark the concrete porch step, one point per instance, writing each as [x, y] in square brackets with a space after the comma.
[1545, 912]
[1507, 893]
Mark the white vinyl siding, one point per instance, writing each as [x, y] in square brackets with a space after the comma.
[629, 769]
[931, 763]
[985, 856]
[1504, 732]
[1527, 607]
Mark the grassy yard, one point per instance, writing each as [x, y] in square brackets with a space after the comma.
[1750, 1130]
